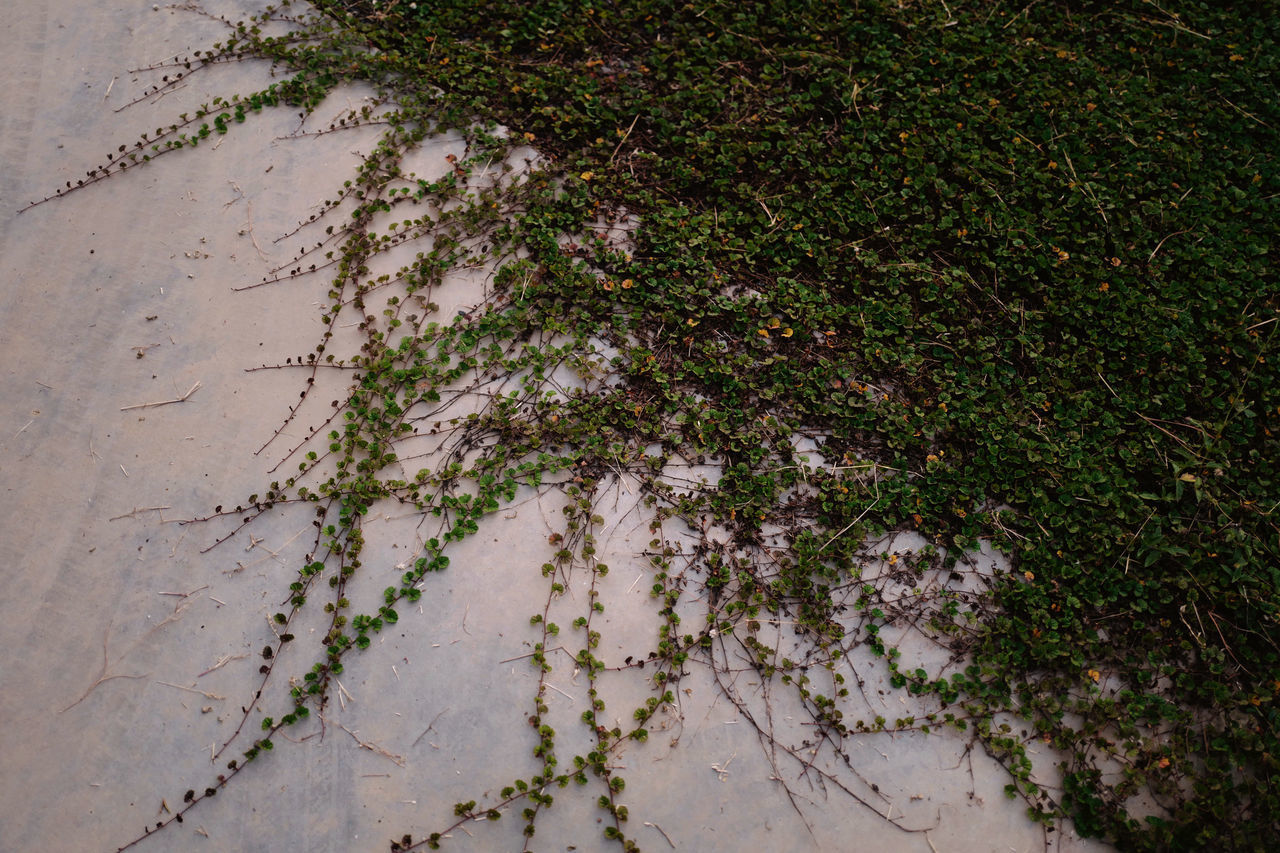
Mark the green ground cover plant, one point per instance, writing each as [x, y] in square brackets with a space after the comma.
[1009, 269]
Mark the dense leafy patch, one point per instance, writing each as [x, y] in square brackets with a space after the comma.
[1046, 235]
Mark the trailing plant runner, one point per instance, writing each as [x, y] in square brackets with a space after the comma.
[1009, 265]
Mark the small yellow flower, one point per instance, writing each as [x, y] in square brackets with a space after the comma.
[786, 333]
[1029, 575]
[586, 176]
[1094, 674]
[762, 332]
[626, 283]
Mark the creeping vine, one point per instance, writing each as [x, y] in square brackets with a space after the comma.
[838, 310]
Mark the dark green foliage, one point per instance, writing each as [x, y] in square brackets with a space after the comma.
[1047, 231]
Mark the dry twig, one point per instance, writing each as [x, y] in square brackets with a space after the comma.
[181, 399]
